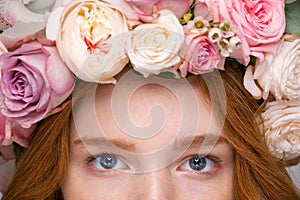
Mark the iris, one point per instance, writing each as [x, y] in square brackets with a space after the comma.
[108, 161]
[197, 163]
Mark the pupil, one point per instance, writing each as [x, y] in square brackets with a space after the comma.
[108, 161]
[197, 163]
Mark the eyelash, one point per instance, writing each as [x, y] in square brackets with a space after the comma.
[215, 164]
[91, 159]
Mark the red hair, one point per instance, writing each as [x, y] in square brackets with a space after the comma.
[42, 167]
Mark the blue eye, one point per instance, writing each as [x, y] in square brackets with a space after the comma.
[198, 164]
[107, 161]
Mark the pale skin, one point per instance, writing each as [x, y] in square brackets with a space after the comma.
[99, 169]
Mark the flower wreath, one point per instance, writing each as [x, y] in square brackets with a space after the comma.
[45, 46]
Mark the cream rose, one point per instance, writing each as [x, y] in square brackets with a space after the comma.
[280, 73]
[90, 39]
[154, 47]
[282, 128]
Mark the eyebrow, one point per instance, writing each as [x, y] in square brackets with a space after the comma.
[180, 143]
[198, 140]
[105, 142]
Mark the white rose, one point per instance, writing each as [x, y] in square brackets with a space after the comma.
[154, 47]
[280, 73]
[282, 128]
[90, 36]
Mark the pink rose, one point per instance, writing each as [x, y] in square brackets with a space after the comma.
[260, 22]
[205, 9]
[145, 7]
[200, 55]
[34, 81]
[11, 131]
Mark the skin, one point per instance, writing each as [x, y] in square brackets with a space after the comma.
[158, 174]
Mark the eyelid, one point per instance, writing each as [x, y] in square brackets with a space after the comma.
[89, 160]
[216, 165]
[209, 156]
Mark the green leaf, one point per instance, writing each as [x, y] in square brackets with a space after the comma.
[167, 74]
[170, 75]
[292, 14]
[136, 72]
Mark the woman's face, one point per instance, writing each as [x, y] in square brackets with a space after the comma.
[172, 163]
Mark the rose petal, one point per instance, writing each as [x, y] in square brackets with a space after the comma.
[60, 77]
[250, 85]
[53, 23]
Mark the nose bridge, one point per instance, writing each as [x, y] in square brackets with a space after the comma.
[157, 185]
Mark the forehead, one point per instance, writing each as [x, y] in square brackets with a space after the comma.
[150, 115]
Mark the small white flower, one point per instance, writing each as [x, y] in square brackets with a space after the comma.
[224, 47]
[235, 42]
[228, 34]
[225, 25]
[215, 35]
[198, 26]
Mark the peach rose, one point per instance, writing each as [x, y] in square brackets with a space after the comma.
[282, 128]
[90, 37]
[280, 73]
